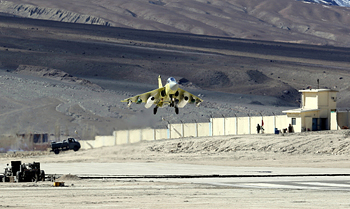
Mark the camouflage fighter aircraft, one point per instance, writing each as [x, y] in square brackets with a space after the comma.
[168, 95]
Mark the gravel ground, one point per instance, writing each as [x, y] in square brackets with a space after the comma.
[96, 107]
[326, 149]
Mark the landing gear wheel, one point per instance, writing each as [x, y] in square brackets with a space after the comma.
[176, 110]
[155, 110]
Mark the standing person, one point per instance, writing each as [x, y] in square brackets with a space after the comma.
[290, 128]
[258, 128]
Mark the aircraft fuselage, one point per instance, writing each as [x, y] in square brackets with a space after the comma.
[171, 88]
[168, 95]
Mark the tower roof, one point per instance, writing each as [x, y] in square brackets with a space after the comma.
[318, 90]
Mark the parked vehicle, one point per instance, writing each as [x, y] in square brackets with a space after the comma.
[19, 172]
[69, 144]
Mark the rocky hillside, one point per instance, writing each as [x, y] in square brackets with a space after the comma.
[54, 74]
[233, 76]
[272, 20]
[57, 14]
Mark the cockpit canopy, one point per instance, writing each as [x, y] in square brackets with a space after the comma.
[171, 80]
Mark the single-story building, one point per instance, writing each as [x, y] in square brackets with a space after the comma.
[317, 106]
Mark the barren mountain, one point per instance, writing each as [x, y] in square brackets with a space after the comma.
[47, 61]
[273, 20]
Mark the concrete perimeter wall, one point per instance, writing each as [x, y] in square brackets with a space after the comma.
[342, 118]
[214, 127]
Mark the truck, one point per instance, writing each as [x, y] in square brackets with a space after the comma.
[69, 144]
[26, 172]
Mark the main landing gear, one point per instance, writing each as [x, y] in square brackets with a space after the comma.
[175, 106]
[174, 103]
[155, 110]
[176, 110]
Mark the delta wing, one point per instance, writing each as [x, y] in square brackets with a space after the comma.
[149, 98]
[185, 97]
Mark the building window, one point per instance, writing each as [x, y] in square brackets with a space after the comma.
[294, 121]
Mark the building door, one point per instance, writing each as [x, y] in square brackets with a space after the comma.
[319, 124]
[314, 124]
[323, 124]
[308, 123]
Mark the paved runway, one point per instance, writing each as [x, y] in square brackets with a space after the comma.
[223, 176]
[338, 183]
[238, 177]
[151, 168]
[325, 184]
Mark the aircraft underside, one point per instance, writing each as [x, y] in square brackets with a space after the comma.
[171, 103]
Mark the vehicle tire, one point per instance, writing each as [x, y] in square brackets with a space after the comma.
[18, 176]
[76, 148]
[36, 177]
[42, 175]
[56, 151]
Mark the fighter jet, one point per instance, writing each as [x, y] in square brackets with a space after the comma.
[168, 95]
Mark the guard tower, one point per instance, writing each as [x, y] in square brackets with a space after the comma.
[315, 111]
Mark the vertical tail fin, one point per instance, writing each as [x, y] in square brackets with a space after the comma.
[160, 85]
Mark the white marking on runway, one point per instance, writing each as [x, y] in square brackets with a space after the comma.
[291, 185]
[326, 184]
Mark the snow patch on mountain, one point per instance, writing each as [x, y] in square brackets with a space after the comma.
[341, 3]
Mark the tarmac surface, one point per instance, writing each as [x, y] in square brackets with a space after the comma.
[163, 169]
[228, 176]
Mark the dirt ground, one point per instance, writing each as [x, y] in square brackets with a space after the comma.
[306, 149]
[150, 194]
[326, 149]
